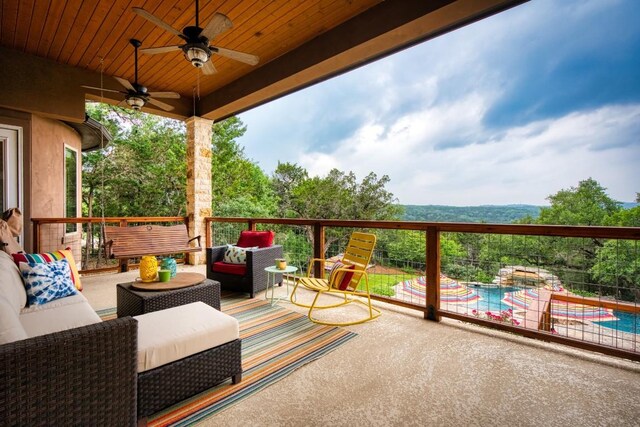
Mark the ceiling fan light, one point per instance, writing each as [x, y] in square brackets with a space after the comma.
[197, 56]
[135, 102]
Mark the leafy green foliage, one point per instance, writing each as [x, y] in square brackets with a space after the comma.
[286, 178]
[586, 204]
[625, 218]
[617, 264]
[411, 246]
[239, 186]
[336, 196]
[490, 214]
[142, 172]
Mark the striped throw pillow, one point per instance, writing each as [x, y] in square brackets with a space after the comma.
[340, 279]
[47, 257]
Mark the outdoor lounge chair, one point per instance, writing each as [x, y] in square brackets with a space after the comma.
[344, 280]
[249, 276]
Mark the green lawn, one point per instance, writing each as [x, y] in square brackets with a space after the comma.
[382, 284]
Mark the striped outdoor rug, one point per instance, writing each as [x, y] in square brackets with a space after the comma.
[275, 342]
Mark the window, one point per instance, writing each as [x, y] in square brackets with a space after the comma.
[71, 187]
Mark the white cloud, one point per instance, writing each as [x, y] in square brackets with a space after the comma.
[420, 116]
[523, 165]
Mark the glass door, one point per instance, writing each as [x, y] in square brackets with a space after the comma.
[10, 168]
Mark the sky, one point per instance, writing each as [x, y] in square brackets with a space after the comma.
[507, 110]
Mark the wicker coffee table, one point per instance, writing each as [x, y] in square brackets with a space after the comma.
[134, 303]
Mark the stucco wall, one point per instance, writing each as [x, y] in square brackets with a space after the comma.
[48, 140]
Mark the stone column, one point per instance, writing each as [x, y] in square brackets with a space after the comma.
[198, 180]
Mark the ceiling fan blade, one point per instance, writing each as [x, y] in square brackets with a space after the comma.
[163, 49]
[208, 68]
[159, 22]
[160, 104]
[125, 83]
[218, 24]
[171, 95]
[103, 89]
[238, 56]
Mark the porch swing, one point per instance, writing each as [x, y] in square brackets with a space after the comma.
[126, 242]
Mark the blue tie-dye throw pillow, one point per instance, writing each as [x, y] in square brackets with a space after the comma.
[46, 282]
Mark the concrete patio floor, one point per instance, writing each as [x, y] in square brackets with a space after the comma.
[402, 370]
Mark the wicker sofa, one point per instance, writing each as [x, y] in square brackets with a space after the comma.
[61, 365]
[249, 277]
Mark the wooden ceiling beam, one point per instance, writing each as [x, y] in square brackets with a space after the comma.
[37, 85]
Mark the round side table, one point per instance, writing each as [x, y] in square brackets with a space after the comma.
[271, 280]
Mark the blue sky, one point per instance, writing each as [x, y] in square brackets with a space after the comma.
[510, 109]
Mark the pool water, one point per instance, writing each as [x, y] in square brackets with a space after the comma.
[626, 322]
[492, 301]
[491, 298]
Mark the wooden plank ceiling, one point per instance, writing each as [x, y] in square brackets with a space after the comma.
[89, 35]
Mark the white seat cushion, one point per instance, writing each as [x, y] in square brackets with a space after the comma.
[10, 327]
[11, 284]
[173, 334]
[58, 315]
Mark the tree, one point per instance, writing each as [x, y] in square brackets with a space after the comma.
[586, 204]
[239, 186]
[335, 196]
[617, 262]
[617, 267]
[143, 171]
[286, 177]
[338, 195]
[410, 246]
[626, 218]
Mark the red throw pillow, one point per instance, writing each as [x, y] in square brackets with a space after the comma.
[261, 239]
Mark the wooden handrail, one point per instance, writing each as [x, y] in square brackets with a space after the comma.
[613, 305]
[114, 219]
[630, 233]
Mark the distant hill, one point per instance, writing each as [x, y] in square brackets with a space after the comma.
[495, 214]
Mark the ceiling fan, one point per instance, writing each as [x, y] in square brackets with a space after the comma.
[197, 49]
[136, 95]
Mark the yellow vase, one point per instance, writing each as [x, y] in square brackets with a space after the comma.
[148, 268]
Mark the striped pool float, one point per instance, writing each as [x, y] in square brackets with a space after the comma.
[451, 291]
[559, 309]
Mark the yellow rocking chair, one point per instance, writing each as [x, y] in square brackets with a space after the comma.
[344, 279]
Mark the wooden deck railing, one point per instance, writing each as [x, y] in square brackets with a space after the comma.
[431, 309]
[432, 232]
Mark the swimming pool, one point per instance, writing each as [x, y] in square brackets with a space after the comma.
[492, 301]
